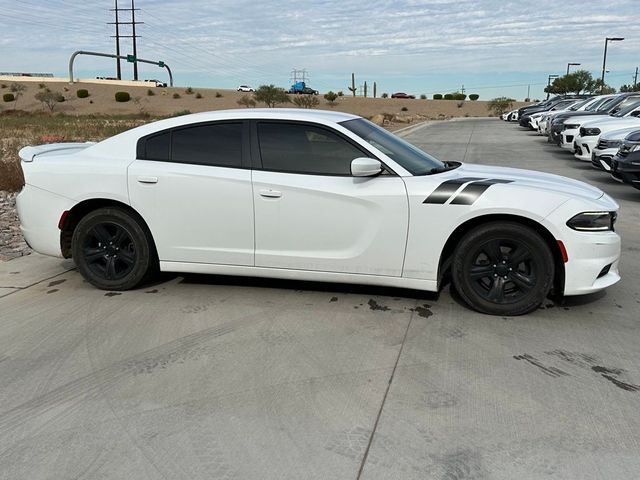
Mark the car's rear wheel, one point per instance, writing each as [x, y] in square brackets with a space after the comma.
[503, 268]
[112, 249]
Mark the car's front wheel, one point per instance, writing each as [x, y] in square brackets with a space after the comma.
[503, 268]
[112, 249]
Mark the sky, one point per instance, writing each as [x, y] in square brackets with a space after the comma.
[491, 47]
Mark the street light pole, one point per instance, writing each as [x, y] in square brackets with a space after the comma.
[604, 59]
[549, 83]
[571, 65]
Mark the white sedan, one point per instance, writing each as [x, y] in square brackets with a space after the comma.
[313, 195]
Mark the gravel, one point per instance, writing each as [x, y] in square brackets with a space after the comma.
[12, 244]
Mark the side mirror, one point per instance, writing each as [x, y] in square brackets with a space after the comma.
[365, 167]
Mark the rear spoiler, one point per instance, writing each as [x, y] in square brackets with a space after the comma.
[27, 154]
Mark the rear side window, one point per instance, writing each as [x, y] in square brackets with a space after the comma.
[299, 148]
[217, 145]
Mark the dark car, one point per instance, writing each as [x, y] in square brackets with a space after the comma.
[524, 121]
[543, 106]
[625, 166]
[402, 95]
[607, 105]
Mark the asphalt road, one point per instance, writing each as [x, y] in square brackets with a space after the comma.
[226, 378]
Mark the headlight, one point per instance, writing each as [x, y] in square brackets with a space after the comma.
[634, 147]
[593, 221]
[589, 132]
[571, 126]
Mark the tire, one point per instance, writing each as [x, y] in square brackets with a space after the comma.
[113, 250]
[503, 268]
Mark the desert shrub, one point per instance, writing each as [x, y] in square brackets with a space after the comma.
[180, 113]
[423, 97]
[460, 103]
[42, 85]
[59, 97]
[306, 101]
[500, 105]
[150, 93]
[218, 95]
[331, 97]
[65, 89]
[176, 95]
[8, 97]
[189, 91]
[91, 102]
[340, 93]
[122, 96]
[246, 101]
[473, 97]
[527, 99]
[437, 96]
[459, 96]
[3, 85]
[82, 93]
[448, 96]
[404, 109]
[271, 95]
[198, 95]
[385, 95]
[49, 99]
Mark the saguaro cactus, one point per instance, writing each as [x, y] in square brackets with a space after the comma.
[352, 88]
[375, 93]
[365, 89]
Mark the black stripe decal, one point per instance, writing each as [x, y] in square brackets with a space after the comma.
[444, 191]
[473, 191]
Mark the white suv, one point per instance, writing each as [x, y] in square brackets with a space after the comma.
[590, 132]
[608, 146]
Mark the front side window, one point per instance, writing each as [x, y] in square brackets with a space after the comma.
[308, 149]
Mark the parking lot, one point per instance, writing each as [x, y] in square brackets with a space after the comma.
[202, 377]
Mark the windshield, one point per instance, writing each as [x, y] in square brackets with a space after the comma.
[580, 104]
[600, 104]
[626, 106]
[403, 153]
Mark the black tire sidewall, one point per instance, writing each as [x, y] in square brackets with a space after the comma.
[513, 232]
[144, 251]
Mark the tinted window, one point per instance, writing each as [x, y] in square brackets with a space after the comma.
[217, 145]
[298, 148]
[157, 147]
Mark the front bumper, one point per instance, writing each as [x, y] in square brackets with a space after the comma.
[568, 137]
[625, 172]
[601, 159]
[584, 147]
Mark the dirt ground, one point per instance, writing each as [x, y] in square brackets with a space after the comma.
[101, 101]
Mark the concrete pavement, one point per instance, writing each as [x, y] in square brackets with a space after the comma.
[200, 377]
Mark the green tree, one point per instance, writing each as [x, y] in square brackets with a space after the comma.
[331, 97]
[576, 82]
[605, 89]
[630, 88]
[18, 90]
[49, 99]
[500, 105]
[271, 95]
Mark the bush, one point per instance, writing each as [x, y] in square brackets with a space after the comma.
[122, 96]
[246, 101]
[176, 95]
[218, 95]
[3, 85]
[8, 97]
[500, 105]
[473, 97]
[198, 95]
[42, 85]
[49, 99]
[460, 103]
[82, 93]
[459, 96]
[306, 101]
[423, 97]
[331, 97]
[340, 93]
[437, 96]
[404, 109]
[59, 97]
[189, 91]
[271, 95]
[150, 93]
[179, 113]
[385, 95]
[448, 96]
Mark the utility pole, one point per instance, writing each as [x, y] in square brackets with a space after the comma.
[635, 79]
[299, 75]
[529, 92]
[133, 35]
[117, 37]
[462, 89]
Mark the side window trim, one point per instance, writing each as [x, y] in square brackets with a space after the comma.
[245, 158]
[256, 154]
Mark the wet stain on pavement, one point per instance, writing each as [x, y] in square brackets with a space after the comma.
[56, 282]
[155, 290]
[54, 290]
[423, 311]
[112, 294]
[334, 299]
[551, 371]
[373, 305]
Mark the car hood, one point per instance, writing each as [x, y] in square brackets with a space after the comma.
[619, 133]
[581, 119]
[531, 180]
[608, 124]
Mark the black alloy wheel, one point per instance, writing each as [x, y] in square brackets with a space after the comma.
[503, 268]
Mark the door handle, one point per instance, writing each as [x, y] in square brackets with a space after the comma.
[145, 179]
[268, 193]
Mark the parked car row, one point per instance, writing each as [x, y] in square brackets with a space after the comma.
[603, 130]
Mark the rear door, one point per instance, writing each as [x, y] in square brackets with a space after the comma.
[311, 214]
[192, 185]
